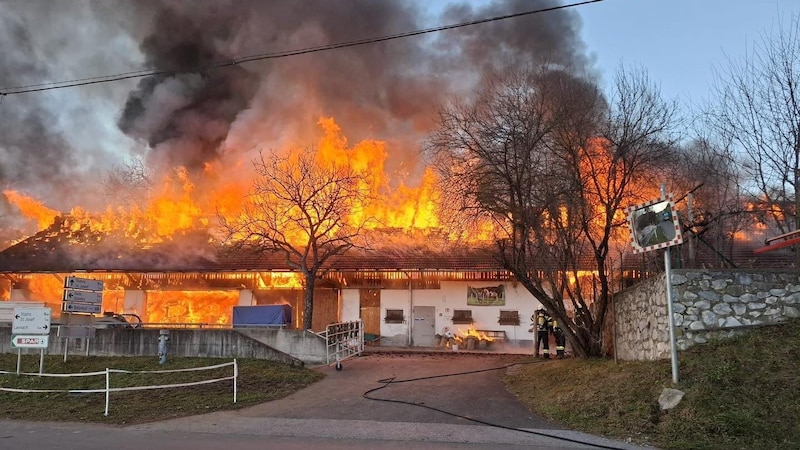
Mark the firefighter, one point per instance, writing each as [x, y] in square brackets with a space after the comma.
[561, 340]
[542, 325]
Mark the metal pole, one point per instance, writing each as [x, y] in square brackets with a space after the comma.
[235, 378]
[108, 389]
[670, 318]
[690, 240]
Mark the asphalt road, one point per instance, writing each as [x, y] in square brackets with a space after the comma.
[379, 401]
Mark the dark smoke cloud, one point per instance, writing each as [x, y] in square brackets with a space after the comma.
[385, 91]
[54, 144]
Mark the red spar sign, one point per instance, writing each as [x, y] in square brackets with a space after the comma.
[30, 341]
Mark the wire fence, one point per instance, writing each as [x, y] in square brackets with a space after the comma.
[109, 389]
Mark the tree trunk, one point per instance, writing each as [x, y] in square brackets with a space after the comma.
[309, 301]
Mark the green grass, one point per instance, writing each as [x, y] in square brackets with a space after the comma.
[258, 381]
[740, 393]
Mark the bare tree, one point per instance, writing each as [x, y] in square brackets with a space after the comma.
[758, 113]
[716, 213]
[129, 183]
[553, 164]
[303, 207]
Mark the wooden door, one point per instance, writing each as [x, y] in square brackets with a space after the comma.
[370, 310]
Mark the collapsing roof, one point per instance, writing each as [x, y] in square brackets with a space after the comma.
[60, 250]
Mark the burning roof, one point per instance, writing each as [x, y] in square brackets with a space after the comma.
[65, 248]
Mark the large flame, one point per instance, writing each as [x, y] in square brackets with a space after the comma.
[177, 204]
[31, 208]
[191, 307]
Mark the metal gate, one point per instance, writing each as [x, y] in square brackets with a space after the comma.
[343, 340]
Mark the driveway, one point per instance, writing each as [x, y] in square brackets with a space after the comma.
[430, 397]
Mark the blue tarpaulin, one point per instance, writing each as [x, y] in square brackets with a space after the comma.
[262, 316]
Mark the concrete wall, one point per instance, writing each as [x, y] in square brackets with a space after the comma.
[707, 304]
[260, 343]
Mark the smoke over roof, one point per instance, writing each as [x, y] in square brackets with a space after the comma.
[57, 144]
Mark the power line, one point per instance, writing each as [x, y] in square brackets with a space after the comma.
[274, 55]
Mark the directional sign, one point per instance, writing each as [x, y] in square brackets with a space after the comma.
[83, 296]
[31, 321]
[32, 341]
[93, 308]
[83, 283]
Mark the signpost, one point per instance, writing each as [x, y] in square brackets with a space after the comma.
[73, 307]
[34, 324]
[82, 298]
[31, 321]
[30, 341]
[654, 225]
[85, 284]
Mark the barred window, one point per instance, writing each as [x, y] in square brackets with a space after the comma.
[508, 318]
[394, 316]
[462, 316]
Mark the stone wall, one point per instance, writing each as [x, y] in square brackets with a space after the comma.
[707, 304]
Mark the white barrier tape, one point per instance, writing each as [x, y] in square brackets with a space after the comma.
[164, 386]
[56, 375]
[132, 388]
[109, 389]
[191, 369]
[97, 391]
[87, 374]
[35, 391]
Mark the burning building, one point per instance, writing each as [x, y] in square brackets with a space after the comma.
[407, 295]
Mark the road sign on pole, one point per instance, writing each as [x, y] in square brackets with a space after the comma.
[30, 341]
[31, 321]
[85, 284]
[73, 307]
[83, 296]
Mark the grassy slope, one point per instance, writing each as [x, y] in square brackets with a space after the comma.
[740, 393]
[259, 381]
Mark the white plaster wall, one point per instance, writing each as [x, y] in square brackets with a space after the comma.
[453, 295]
[350, 305]
[396, 299]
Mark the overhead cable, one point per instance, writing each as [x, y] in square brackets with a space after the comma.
[264, 56]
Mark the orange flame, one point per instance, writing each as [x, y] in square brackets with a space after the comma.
[473, 333]
[191, 307]
[31, 208]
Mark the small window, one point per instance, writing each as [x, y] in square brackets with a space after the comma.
[508, 318]
[462, 316]
[394, 316]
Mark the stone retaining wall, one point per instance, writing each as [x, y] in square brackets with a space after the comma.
[707, 304]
